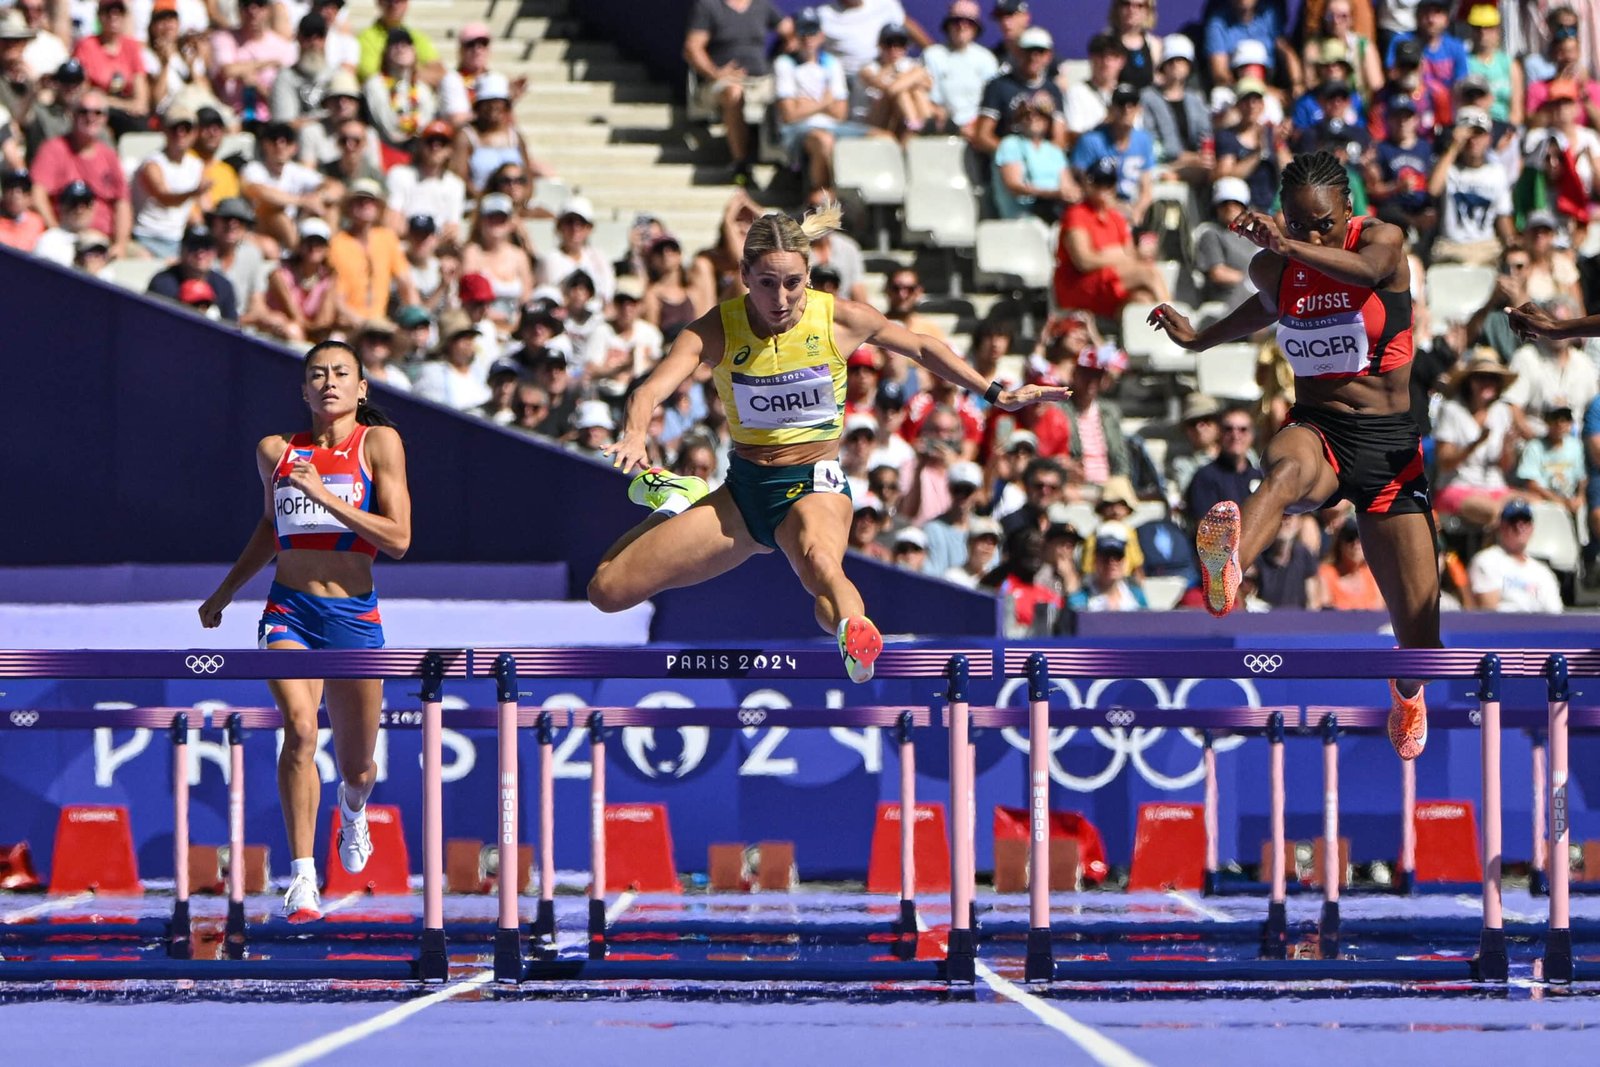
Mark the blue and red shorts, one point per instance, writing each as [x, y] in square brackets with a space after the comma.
[320, 621]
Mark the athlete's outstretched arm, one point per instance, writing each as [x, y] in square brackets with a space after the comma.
[1246, 320]
[699, 337]
[863, 323]
[1382, 250]
[259, 550]
[1530, 320]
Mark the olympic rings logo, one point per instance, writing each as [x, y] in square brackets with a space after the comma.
[203, 664]
[1262, 664]
[752, 716]
[1120, 717]
[24, 718]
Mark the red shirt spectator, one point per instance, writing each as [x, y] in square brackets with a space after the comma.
[114, 61]
[20, 226]
[1096, 267]
[1047, 422]
[943, 392]
[82, 156]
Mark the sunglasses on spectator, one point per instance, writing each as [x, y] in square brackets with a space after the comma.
[1040, 487]
[476, 42]
[346, 139]
[91, 112]
[1236, 427]
[902, 287]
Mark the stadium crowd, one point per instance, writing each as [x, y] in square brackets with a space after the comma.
[307, 178]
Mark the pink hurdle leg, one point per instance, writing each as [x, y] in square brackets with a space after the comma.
[433, 962]
[179, 943]
[1332, 867]
[1039, 965]
[1491, 964]
[961, 954]
[1209, 757]
[908, 826]
[234, 932]
[544, 923]
[597, 837]
[1541, 863]
[1558, 938]
[508, 931]
[1407, 878]
[1275, 937]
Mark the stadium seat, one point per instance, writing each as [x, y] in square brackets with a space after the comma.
[237, 144]
[871, 169]
[551, 193]
[937, 161]
[1163, 592]
[1555, 537]
[137, 145]
[1455, 291]
[135, 274]
[1147, 511]
[541, 234]
[1081, 515]
[611, 237]
[1151, 349]
[1207, 313]
[941, 216]
[1228, 372]
[1016, 251]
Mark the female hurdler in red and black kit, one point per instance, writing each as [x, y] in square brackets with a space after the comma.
[1338, 290]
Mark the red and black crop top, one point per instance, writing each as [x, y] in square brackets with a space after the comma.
[1332, 329]
[301, 522]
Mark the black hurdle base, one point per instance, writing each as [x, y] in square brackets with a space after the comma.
[1040, 965]
[961, 962]
[1491, 964]
[433, 965]
[1275, 932]
[597, 930]
[234, 934]
[180, 939]
[1328, 929]
[1558, 956]
[508, 955]
[543, 927]
[908, 923]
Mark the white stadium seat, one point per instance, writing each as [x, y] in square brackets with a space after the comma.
[1228, 372]
[541, 234]
[611, 238]
[871, 169]
[551, 193]
[134, 274]
[1455, 291]
[941, 216]
[1016, 249]
[937, 161]
[1555, 537]
[1149, 348]
[1163, 592]
[237, 144]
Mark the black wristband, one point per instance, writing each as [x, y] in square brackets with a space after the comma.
[992, 394]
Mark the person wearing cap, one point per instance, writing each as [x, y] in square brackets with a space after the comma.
[1121, 139]
[74, 209]
[947, 534]
[1475, 438]
[197, 261]
[197, 293]
[856, 447]
[909, 549]
[1338, 288]
[45, 51]
[593, 428]
[341, 102]
[453, 378]
[83, 155]
[1552, 466]
[210, 130]
[280, 188]
[1552, 270]
[1397, 174]
[1252, 148]
[113, 62]
[574, 225]
[1488, 59]
[491, 140]
[298, 89]
[1434, 104]
[55, 103]
[300, 290]
[335, 496]
[167, 187]
[1344, 28]
[851, 30]
[456, 91]
[1107, 583]
[1202, 439]
[1221, 255]
[1561, 22]
[367, 258]
[247, 61]
[1178, 116]
[377, 345]
[1504, 577]
[427, 188]
[492, 252]
[1031, 176]
[1474, 196]
[1116, 507]
[1025, 80]
[374, 41]
[631, 333]
[813, 102]
[1239, 21]
[399, 101]
[893, 89]
[1097, 269]
[1331, 93]
[725, 46]
[960, 67]
[777, 360]
[20, 226]
[982, 552]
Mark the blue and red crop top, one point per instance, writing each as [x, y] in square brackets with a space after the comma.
[301, 522]
[1332, 329]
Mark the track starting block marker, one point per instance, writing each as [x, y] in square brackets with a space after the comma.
[930, 846]
[725, 868]
[94, 850]
[1169, 847]
[639, 849]
[1013, 824]
[17, 873]
[1447, 841]
[388, 872]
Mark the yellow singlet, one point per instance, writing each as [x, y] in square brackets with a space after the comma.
[782, 390]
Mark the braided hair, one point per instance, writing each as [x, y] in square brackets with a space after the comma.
[1316, 169]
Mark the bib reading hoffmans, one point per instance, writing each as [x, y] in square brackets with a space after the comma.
[301, 522]
[1331, 329]
[785, 389]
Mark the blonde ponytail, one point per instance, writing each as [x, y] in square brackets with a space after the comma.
[778, 232]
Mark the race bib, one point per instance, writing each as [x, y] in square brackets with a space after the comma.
[297, 513]
[796, 398]
[827, 477]
[1334, 344]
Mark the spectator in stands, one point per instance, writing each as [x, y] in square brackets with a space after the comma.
[939, 442]
[813, 102]
[866, 524]
[883, 481]
[451, 378]
[298, 89]
[947, 534]
[1202, 436]
[1434, 106]
[376, 347]
[113, 62]
[55, 102]
[1346, 579]
[222, 178]
[47, 50]
[1031, 176]
[20, 225]
[960, 68]
[74, 210]
[1031, 607]
[1232, 475]
[1086, 103]
[1337, 32]
[341, 104]
[550, 373]
[458, 90]
[1475, 195]
[374, 41]
[1539, 63]
[1043, 483]
[991, 342]
[1505, 578]
[1106, 582]
[1286, 571]
[300, 291]
[851, 29]
[1021, 82]
[491, 139]
[1115, 509]
[939, 396]
[1552, 270]
[573, 252]
[841, 252]
[353, 162]
[1248, 20]
[726, 48]
[280, 188]
[1552, 466]
[1221, 255]
[1178, 116]
[1476, 439]
[1398, 173]
[529, 407]
[697, 458]
[1013, 19]
[1487, 59]
[426, 266]
[167, 188]
[197, 295]
[715, 275]
[1097, 268]
[669, 299]
[502, 380]
[427, 187]
[1331, 93]
[490, 252]
[242, 260]
[1121, 139]
[82, 155]
[904, 293]
[197, 261]
[1098, 448]
[175, 62]
[1253, 148]
[910, 549]
[893, 91]
[344, 52]
[1551, 372]
[855, 449]
[1131, 23]
[982, 546]
[92, 253]
[248, 60]
[367, 259]
[399, 103]
[640, 339]
[861, 381]
[1444, 56]
[1569, 78]
[586, 328]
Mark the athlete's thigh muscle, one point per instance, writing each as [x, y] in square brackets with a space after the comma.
[706, 540]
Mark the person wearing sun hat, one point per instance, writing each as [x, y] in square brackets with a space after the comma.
[1471, 435]
[960, 66]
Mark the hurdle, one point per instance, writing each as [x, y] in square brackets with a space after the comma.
[514, 665]
[431, 667]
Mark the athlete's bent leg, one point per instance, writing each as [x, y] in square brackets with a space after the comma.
[708, 539]
[813, 536]
[354, 705]
[298, 784]
[1403, 554]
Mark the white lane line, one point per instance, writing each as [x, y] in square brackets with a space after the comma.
[343, 902]
[319, 1047]
[1198, 908]
[48, 906]
[1506, 914]
[624, 902]
[1097, 1046]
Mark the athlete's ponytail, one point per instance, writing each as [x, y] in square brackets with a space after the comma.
[367, 413]
[777, 232]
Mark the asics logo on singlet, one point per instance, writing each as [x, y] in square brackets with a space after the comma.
[741, 357]
[24, 718]
[1262, 664]
[795, 490]
[203, 664]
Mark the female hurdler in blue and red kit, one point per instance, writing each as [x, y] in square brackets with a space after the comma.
[1338, 290]
[335, 496]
